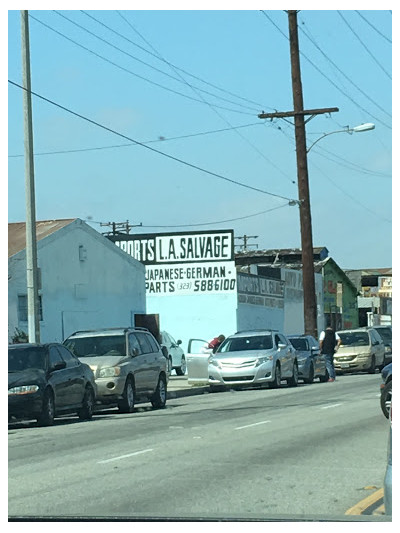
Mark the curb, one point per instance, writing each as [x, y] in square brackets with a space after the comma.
[368, 505]
[181, 393]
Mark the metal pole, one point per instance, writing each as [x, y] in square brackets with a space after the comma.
[310, 306]
[31, 250]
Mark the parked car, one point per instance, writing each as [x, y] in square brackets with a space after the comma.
[254, 358]
[128, 365]
[361, 349]
[176, 355]
[386, 333]
[387, 482]
[311, 362]
[386, 389]
[47, 380]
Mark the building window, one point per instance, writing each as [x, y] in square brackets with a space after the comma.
[23, 308]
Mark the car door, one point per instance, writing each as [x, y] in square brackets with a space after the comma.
[197, 361]
[75, 375]
[378, 347]
[316, 357]
[138, 364]
[58, 378]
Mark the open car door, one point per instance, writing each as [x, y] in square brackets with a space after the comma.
[197, 362]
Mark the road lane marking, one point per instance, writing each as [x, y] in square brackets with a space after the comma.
[252, 425]
[330, 406]
[124, 456]
[365, 505]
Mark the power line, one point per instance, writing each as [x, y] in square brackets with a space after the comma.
[173, 158]
[144, 62]
[327, 78]
[160, 139]
[129, 71]
[363, 45]
[376, 29]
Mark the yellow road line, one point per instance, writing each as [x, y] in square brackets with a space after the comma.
[363, 505]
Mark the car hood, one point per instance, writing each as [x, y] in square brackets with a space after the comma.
[31, 376]
[240, 357]
[103, 361]
[352, 350]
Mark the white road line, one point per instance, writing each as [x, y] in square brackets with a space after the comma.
[330, 406]
[124, 456]
[252, 425]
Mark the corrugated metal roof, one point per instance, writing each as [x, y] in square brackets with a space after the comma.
[17, 232]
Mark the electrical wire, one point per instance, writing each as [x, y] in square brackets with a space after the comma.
[129, 71]
[169, 156]
[376, 29]
[328, 79]
[363, 45]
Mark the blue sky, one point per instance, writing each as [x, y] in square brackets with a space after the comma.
[188, 86]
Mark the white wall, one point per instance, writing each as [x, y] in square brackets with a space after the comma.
[201, 316]
[104, 290]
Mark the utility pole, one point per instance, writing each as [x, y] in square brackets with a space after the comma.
[310, 304]
[31, 246]
[245, 239]
[116, 227]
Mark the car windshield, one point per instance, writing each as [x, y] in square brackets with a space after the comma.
[97, 346]
[354, 339]
[300, 344]
[24, 358]
[237, 344]
[385, 333]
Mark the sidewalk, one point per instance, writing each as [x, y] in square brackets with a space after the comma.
[178, 387]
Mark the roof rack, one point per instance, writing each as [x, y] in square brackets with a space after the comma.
[125, 329]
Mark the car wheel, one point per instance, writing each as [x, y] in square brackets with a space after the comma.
[386, 398]
[181, 370]
[371, 369]
[127, 404]
[324, 379]
[277, 380]
[86, 411]
[310, 378]
[159, 398]
[294, 380]
[46, 417]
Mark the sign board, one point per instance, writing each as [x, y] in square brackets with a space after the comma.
[183, 263]
[260, 291]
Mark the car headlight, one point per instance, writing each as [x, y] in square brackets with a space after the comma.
[109, 372]
[264, 359]
[213, 362]
[25, 389]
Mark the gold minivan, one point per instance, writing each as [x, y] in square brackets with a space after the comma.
[361, 349]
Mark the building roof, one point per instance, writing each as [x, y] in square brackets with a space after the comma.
[17, 232]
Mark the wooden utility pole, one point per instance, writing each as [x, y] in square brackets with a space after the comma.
[310, 304]
[31, 245]
[245, 239]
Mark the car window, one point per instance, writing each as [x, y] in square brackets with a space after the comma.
[54, 356]
[134, 346]
[385, 333]
[153, 343]
[300, 343]
[144, 343]
[68, 357]
[236, 344]
[97, 345]
[23, 358]
[359, 338]
[282, 339]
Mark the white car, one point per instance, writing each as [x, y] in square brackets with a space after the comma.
[176, 356]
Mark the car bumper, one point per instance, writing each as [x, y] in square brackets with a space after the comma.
[357, 364]
[25, 406]
[110, 389]
[241, 376]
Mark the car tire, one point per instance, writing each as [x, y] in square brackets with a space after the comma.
[294, 380]
[127, 404]
[310, 378]
[159, 398]
[371, 369]
[86, 411]
[276, 383]
[181, 370]
[46, 417]
[324, 379]
[386, 398]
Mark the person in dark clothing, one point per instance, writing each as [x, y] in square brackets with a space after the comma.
[329, 342]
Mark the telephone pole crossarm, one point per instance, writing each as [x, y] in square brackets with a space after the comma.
[303, 112]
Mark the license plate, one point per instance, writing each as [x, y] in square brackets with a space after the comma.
[344, 365]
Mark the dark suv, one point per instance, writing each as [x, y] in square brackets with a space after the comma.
[128, 365]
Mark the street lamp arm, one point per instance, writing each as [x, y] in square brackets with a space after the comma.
[348, 130]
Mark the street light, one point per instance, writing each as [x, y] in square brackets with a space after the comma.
[362, 127]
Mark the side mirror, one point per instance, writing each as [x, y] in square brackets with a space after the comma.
[178, 342]
[58, 366]
[135, 352]
[281, 346]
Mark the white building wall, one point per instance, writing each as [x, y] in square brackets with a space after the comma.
[94, 286]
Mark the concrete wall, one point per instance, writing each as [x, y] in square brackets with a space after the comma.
[87, 282]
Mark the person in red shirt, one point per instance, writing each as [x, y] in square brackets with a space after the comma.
[215, 342]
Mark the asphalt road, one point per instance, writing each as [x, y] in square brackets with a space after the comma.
[310, 452]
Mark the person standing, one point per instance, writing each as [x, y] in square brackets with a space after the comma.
[329, 342]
